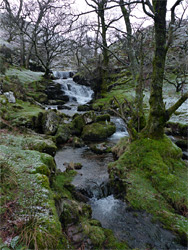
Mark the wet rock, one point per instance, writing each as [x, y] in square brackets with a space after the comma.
[63, 107]
[55, 92]
[185, 155]
[10, 96]
[77, 142]
[100, 148]
[80, 197]
[178, 128]
[56, 102]
[84, 107]
[72, 165]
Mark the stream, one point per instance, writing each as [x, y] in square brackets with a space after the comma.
[92, 180]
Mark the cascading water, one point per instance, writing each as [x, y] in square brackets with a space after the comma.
[135, 227]
[77, 93]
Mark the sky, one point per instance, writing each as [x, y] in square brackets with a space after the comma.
[81, 6]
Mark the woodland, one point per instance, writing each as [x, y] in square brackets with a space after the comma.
[128, 59]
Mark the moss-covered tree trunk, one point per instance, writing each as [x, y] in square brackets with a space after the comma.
[157, 115]
[101, 14]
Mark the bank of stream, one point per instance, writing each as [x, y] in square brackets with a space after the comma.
[137, 228]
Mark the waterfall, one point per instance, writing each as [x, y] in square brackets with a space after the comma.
[63, 74]
[76, 93]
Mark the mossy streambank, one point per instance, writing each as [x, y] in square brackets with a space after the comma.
[28, 215]
[140, 229]
[151, 176]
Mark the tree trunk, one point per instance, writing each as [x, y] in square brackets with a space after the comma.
[104, 46]
[22, 50]
[157, 115]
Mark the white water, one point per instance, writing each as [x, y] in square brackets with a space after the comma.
[120, 129]
[77, 93]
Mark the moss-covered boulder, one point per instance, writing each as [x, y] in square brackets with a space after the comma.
[77, 125]
[84, 107]
[100, 148]
[77, 142]
[178, 128]
[153, 177]
[89, 117]
[22, 114]
[29, 141]
[25, 188]
[105, 117]
[63, 134]
[98, 131]
[50, 122]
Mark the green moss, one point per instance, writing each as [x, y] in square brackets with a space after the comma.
[98, 131]
[77, 125]
[29, 141]
[34, 198]
[154, 178]
[28, 115]
[63, 134]
[105, 117]
[61, 184]
[42, 169]
[112, 243]
[96, 235]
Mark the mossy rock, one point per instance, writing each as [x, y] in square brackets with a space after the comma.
[89, 117]
[105, 117]
[34, 199]
[100, 148]
[98, 131]
[50, 122]
[63, 134]
[84, 107]
[77, 125]
[152, 177]
[27, 115]
[178, 128]
[29, 141]
[77, 142]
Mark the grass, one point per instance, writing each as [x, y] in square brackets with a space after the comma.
[30, 199]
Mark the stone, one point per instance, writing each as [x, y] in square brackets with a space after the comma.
[89, 117]
[63, 133]
[50, 122]
[98, 131]
[100, 148]
[10, 97]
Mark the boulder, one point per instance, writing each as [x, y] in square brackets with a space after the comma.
[10, 97]
[105, 117]
[63, 134]
[50, 122]
[55, 92]
[84, 107]
[100, 148]
[77, 125]
[89, 117]
[77, 142]
[98, 131]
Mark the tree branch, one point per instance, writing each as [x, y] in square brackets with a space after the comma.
[174, 107]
